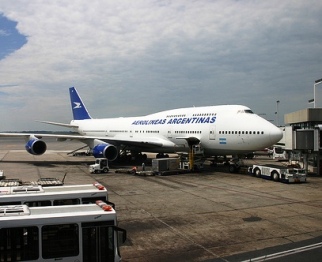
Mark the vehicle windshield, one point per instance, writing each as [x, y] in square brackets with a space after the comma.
[296, 171]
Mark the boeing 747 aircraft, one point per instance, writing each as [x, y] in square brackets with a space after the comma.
[218, 130]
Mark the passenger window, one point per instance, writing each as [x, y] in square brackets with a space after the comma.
[60, 241]
[10, 203]
[62, 202]
[38, 203]
[19, 244]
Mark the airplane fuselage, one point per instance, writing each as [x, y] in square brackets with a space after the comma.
[221, 130]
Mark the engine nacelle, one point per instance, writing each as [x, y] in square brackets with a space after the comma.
[36, 146]
[105, 151]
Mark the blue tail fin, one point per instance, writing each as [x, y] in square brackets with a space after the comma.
[79, 110]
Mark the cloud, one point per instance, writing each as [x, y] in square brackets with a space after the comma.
[137, 57]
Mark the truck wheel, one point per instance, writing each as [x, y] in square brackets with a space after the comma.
[105, 170]
[232, 168]
[257, 172]
[275, 176]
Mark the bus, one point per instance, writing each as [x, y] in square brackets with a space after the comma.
[86, 232]
[36, 195]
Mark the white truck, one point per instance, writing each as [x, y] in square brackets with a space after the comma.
[279, 173]
[100, 166]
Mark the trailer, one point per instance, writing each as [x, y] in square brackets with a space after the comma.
[279, 173]
[166, 166]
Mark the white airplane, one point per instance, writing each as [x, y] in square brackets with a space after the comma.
[218, 130]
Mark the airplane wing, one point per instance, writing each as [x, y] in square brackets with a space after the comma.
[116, 140]
[101, 147]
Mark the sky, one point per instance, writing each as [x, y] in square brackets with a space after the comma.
[133, 58]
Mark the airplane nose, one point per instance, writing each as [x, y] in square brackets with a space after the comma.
[275, 135]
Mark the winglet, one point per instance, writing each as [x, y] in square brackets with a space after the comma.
[79, 110]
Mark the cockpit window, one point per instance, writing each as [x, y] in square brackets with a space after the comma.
[247, 111]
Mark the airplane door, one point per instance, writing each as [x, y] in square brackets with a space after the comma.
[169, 134]
[212, 133]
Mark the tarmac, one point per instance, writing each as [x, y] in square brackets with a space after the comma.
[208, 216]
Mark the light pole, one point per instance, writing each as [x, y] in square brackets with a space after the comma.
[317, 82]
[277, 102]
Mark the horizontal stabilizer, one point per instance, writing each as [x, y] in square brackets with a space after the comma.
[58, 124]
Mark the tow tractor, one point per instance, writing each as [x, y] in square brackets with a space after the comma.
[279, 173]
[100, 166]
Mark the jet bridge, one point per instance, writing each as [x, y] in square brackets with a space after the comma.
[304, 134]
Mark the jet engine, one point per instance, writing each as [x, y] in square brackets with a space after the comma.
[105, 151]
[36, 146]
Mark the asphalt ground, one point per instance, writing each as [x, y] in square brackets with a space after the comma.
[207, 216]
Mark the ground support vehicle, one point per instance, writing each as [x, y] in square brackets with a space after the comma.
[279, 173]
[64, 233]
[100, 166]
[197, 162]
[166, 166]
[235, 165]
[35, 195]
